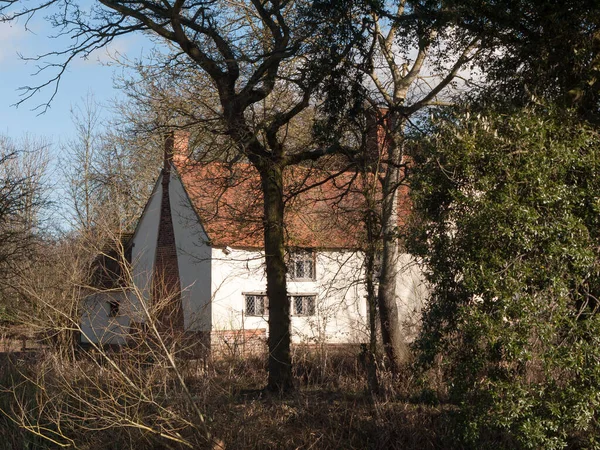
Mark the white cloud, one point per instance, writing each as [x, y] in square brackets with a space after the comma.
[11, 37]
[109, 53]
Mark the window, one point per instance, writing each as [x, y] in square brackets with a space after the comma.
[303, 305]
[113, 308]
[301, 265]
[257, 305]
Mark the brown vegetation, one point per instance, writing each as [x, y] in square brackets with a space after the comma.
[80, 403]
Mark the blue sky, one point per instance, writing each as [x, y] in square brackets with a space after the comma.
[83, 76]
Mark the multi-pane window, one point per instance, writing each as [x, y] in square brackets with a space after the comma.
[257, 305]
[301, 265]
[303, 305]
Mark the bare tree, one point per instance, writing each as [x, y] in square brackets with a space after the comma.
[414, 57]
[79, 155]
[247, 51]
[109, 172]
[23, 197]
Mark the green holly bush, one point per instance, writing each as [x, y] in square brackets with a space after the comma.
[507, 222]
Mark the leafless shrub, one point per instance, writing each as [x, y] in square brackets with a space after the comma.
[137, 393]
[156, 392]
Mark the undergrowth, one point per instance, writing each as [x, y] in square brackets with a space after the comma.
[330, 409]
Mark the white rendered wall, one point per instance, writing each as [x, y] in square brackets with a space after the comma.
[411, 294]
[96, 324]
[341, 309]
[235, 272]
[193, 258]
[340, 303]
[143, 251]
[193, 254]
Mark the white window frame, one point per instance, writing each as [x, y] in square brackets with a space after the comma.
[264, 300]
[308, 302]
[302, 257]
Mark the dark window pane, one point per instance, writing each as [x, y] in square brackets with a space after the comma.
[113, 308]
[309, 269]
[257, 305]
[304, 305]
[302, 266]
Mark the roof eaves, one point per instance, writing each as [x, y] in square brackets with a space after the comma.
[146, 206]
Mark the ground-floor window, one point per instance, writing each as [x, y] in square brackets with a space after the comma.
[257, 305]
[113, 308]
[301, 305]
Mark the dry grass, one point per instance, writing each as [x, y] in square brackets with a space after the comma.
[331, 408]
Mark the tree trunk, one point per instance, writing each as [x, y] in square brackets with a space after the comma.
[280, 362]
[391, 333]
[370, 256]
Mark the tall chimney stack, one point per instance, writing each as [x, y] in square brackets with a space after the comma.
[166, 284]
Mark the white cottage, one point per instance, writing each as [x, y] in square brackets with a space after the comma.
[201, 236]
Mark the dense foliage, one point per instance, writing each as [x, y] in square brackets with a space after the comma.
[509, 228]
[549, 50]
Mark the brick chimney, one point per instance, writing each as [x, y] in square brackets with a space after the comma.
[376, 139]
[166, 285]
[181, 148]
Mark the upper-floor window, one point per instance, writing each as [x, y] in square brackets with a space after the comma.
[301, 265]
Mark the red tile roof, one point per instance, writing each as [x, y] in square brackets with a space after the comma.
[228, 201]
